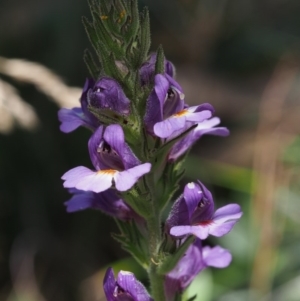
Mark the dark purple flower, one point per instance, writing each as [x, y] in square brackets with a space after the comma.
[166, 114]
[205, 127]
[107, 201]
[147, 70]
[193, 213]
[124, 288]
[108, 94]
[113, 160]
[191, 264]
[71, 119]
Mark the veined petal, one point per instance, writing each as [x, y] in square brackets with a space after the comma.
[85, 179]
[124, 180]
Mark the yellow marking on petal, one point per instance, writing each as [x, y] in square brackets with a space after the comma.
[181, 113]
[104, 17]
[109, 172]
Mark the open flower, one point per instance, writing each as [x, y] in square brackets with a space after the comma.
[196, 259]
[206, 127]
[71, 119]
[107, 201]
[124, 288]
[166, 113]
[113, 160]
[193, 214]
[108, 94]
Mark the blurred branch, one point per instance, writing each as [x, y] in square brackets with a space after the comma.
[270, 142]
[44, 80]
[14, 109]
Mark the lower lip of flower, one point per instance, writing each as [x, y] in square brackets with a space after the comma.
[110, 172]
[205, 223]
[181, 113]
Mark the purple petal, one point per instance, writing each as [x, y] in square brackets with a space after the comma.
[221, 229]
[108, 94]
[179, 215]
[198, 116]
[85, 179]
[114, 136]
[71, 119]
[192, 195]
[228, 212]
[80, 201]
[109, 285]
[199, 231]
[132, 287]
[188, 267]
[93, 146]
[167, 127]
[124, 180]
[203, 128]
[107, 201]
[216, 257]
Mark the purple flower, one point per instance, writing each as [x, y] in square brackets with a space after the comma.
[113, 160]
[108, 94]
[107, 201]
[147, 70]
[203, 128]
[191, 264]
[193, 213]
[71, 119]
[124, 288]
[166, 114]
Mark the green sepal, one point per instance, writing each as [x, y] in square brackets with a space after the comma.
[138, 201]
[91, 64]
[132, 241]
[106, 116]
[171, 260]
[160, 61]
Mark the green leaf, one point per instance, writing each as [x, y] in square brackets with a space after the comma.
[171, 260]
[160, 61]
[132, 241]
[91, 65]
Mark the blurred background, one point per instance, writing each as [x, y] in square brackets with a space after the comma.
[242, 56]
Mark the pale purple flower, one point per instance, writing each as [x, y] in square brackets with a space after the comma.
[206, 127]
[193, 214]
[113, 160]
[166, 113]
[124, 288]
[108, 94]
[71, 119]
[107, 201]
[147, 70]
[196, 259]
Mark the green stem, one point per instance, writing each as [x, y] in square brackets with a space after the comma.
[156, 280]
